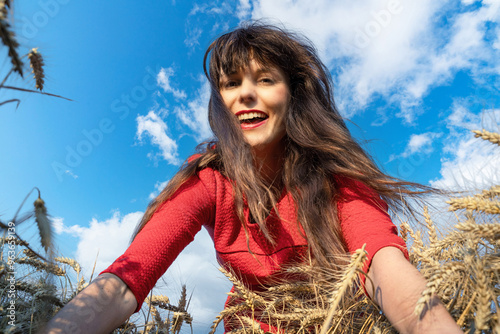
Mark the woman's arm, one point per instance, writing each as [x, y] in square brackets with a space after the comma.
[101, 307]
[397, 286]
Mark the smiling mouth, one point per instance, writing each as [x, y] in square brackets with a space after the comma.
[253, 117]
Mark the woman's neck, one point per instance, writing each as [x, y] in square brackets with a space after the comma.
[270, 168]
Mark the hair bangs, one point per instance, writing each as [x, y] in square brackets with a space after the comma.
[234, 51]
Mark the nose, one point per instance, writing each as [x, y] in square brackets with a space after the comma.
[247, 91]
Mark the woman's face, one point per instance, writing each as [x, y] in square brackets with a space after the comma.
[259, 97]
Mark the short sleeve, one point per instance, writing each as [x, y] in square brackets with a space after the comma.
[171, 228]
[364, 220]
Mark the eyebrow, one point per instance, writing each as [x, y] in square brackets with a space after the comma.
[258, 72]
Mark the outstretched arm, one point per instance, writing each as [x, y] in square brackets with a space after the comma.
[397, 286]
[101, 307]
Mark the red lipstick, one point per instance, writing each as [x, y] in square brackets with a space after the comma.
[249, 125]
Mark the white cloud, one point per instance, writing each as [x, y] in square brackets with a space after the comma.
[156, 128]
[421, 143]
[193, 37]
[192, 113]
[213, 8]
[243, 10]
[196, 266]
[163, 80]
[398, 49]
[419, 146]
[105, 240]
[469, 163]
[159, 186]
[70, 173]
[109, 238]
[195, 114]
[60, 228]
[496, 43]
[461, 118]
[474, 166]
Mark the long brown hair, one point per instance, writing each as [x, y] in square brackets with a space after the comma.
[319, 146]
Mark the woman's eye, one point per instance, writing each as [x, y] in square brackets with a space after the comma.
[230, 84]
[267, 80]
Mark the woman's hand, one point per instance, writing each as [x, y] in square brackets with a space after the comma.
[101, 307]
[397, 286]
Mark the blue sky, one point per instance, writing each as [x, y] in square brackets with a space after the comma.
[413, 79]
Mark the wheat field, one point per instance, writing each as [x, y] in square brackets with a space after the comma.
[461, 264]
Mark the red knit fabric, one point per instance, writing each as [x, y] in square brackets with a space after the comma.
[207, 200]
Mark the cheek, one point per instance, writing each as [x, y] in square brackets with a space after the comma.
[282, 100]
[226, 99]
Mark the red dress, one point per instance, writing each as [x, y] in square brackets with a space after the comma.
[207, 200]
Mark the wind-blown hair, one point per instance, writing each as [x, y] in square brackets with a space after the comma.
[318, 144]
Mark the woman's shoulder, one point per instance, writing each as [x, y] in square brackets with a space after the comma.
[208, 175]
[351, 185]
[349, 189]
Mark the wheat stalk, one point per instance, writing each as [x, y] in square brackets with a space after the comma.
[250, 297]
[41, 265]
[16, 241]
[3, 9]
[487, 135]
[483, 297]
[442, 274]
[474, 204]
[9, 40]
[44, 224]
[431, 229]
[156, 315]
[254, 325]
[158, 299]
[494, 191]
[351, 273]
[71, 262]
[36, 64]
[292, 287]
[484, 230]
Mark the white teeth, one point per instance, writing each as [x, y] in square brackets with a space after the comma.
[250, 115]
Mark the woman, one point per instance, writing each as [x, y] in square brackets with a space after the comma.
[283, 180]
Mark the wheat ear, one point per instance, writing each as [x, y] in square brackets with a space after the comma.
[36, 64]
[250, 297]
[44, 224]
[487, 135]
[483, 304]
[9, 40]
[71, 262]
[40, 265]
[431, 229]
[350, 274]
[474, 204]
